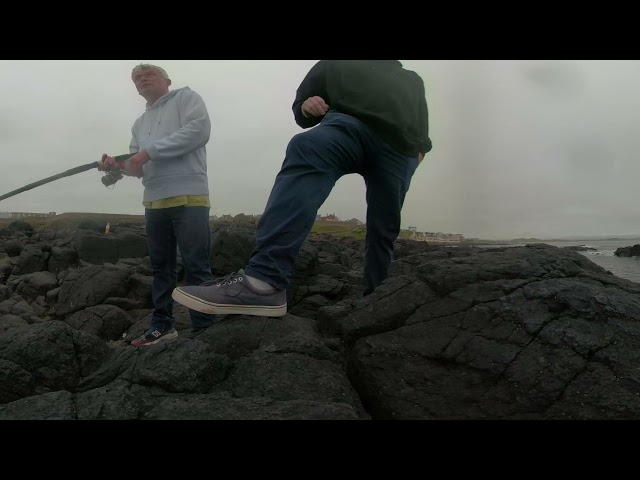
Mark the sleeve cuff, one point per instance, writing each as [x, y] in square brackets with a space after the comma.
[152, 152]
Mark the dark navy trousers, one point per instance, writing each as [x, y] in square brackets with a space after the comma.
[315, 160]
[188, 229]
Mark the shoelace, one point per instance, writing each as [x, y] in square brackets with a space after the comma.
[233, 277]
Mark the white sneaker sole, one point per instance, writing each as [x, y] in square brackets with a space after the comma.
[161, 339]
[203, 306]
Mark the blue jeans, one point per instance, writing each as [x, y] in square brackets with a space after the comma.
[188, 229]
[315, 160]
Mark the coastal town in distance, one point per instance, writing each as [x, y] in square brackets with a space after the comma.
[330, 224]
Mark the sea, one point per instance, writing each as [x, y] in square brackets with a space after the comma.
[623, 267]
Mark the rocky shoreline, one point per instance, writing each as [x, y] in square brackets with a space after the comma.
[534, 332]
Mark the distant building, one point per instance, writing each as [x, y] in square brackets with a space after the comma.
[241, 217]
[32, 215]
[330, 218]
[5, 214]
[413, 229]
[438, 237]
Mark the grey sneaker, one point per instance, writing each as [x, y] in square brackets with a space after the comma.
[232, 295]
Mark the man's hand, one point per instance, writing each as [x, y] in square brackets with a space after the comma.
[107, 163]
[314, 107]
[135, 163]
[420, 158]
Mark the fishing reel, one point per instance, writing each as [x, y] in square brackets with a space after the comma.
[111, 178]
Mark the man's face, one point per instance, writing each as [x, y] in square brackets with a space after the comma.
[150, 84]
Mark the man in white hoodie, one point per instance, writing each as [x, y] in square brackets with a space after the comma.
[169, 142]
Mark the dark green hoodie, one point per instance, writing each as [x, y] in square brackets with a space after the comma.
[380, 93]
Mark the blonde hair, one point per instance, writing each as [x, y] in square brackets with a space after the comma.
[146, 66]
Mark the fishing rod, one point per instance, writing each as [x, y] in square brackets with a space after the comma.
[111, 176]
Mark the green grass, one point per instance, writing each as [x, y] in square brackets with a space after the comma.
[71, 220]
[340, 229]
[344, 230]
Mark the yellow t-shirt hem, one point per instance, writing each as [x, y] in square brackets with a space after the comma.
[180, 201]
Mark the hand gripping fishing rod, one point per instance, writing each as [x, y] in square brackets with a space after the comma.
[110, 178]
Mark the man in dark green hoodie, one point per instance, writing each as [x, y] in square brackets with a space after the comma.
[372, 119]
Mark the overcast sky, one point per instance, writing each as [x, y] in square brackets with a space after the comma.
[520, 148]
